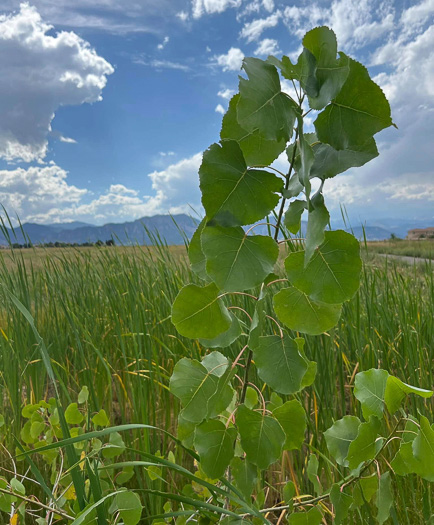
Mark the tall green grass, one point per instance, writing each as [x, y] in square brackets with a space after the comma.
[104, 315]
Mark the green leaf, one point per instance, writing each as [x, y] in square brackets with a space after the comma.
[215, 446]
[257, 150]
[312, 473]
[292, 218]
[130, 507]
[369, 389]
[252, 398]
[279, 363]
[303, 70]
[2, 420]
[245, 475]
[258, 320]
[305, 159]
[17, 486]
[185, 431]
[197, 312]
[330, 162]
[364, 490]
[341, 503]
[317, 220]
[100, 419]
[384, 500]
[294, 187]
[288, 494]
[262, 437]
[292, 418]
[339, 437]
[311, 517]
[194, 385]
[358, 112]
[237, 261]
[332, 275]
[115, 447]
[226, 338]
[301, 313]
[72, 415]
[363, 447]
[218, 365]
[83, 396]
[423, 449]
[195, 252]
[232, 194]
[262, 106]
[396, 391]
[329, 71]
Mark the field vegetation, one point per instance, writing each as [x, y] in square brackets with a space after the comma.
[104, 314]
[423, 248]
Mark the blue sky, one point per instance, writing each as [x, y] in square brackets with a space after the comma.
[106, 105]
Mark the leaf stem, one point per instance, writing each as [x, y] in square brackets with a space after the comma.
[38, 503]
[282, 206]
[246, 377]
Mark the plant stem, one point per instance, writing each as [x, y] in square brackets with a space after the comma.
[246, 377]
[38, 503]
[282, 206]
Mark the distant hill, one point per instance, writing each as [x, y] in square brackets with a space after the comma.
[167, 227]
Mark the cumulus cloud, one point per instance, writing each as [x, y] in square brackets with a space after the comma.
[268, 46]
[231, 61]
[226, 93]
[253, 30]
[44, 72]
[202, 7]
[42, 194]
[164, 43]
[355, 22]
[220, 109]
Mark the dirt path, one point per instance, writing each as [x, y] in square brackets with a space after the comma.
[406, 258]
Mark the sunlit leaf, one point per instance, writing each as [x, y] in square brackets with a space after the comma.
[363, 447]
[292, 418]
[339, 437]
[317, 220]
[215, 445]
[369, 389]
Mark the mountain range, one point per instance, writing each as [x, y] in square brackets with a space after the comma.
[173, 229]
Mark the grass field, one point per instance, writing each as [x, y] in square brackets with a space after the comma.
[104, 314]
[423, 248]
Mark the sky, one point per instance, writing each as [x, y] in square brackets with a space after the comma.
[107, 105]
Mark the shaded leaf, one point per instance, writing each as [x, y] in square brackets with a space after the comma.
[311, 517]
[215, 446]
[384, 499]
[129, 507]
[341, 503]
[301, 313]
[279, 363]
[292, 218]
[115, 446]
[236, 261]
[423, 449]
[197, 312]
[364, 490]
[72, 415]
[100, 419]
[226, 338]
[396, 391]
[312, 473]
[257, 150]
[232, 194]
[83, 396]
[317, 220]
[292, 418]
[358, 112]
[262, 437]
[369, 389]
[332, 275]
[258, 320]
[330, 72]
[363, 447]
[262, 106]
[194, 385]
[245, 475]
[339, 437]
[195, 252]
[330, 162]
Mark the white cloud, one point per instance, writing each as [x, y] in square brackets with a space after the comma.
[231, 61]
[183, 16]
[163, 43]
[253, 30]
[41, 72]
[355, 22]
[159, 64]
[220, 109]
[227, 94]
[268, 5]
[268, 46]
[210, 7]
[43, 195]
